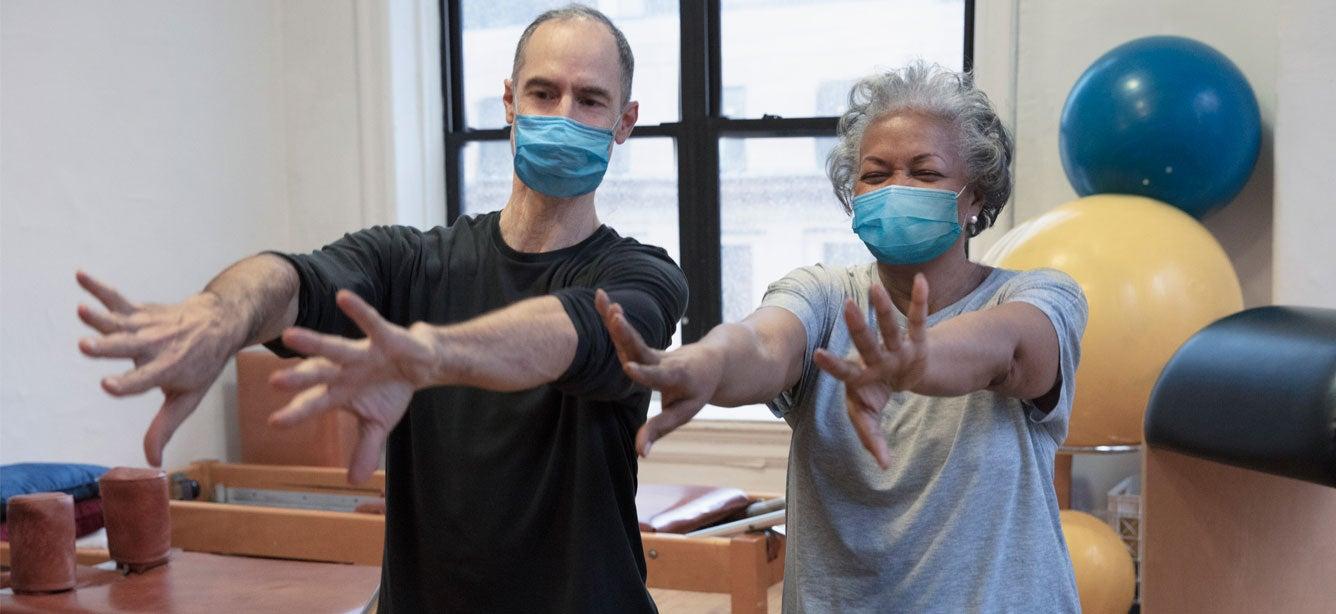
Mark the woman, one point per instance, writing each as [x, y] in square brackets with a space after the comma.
[961, 395]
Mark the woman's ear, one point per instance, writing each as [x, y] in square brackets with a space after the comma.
[973, 212]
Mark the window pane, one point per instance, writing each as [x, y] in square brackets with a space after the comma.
[777, 213]
[492, 29]
[798, 58]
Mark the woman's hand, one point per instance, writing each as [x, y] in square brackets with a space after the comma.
[894, 361]
[372, 378]
[686, 377]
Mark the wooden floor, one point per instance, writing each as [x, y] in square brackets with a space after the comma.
[690, 602]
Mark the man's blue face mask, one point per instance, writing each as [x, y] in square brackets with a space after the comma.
[907, 225]
[559, 156]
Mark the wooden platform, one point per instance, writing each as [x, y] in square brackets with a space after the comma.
[692, 602]
[200, 582]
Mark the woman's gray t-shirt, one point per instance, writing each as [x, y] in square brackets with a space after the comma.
[966, 518]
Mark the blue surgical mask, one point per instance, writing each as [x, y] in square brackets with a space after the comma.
[907, 225]
[559, 156]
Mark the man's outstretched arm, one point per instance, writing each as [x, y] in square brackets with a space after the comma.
[181, 348]
[524, 345]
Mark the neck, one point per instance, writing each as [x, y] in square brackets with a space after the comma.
[533, 222]
[950, 277]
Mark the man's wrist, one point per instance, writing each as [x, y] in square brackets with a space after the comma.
[231, 324]
[446, 364]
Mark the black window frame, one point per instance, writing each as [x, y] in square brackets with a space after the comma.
[696, 135]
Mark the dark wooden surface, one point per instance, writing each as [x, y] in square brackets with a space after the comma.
[198, 582]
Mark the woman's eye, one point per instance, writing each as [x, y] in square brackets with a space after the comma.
[872, 177]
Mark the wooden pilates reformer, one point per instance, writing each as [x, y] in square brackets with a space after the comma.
[306, 513]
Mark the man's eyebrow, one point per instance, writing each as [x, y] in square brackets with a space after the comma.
[539, 82]
[593, 91]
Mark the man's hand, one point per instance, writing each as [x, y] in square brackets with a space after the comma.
[372, 378]
[686, 377]
[896, 361]
[179, 348]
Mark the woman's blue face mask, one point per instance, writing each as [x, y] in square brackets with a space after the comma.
[907, 225]
[559, 156]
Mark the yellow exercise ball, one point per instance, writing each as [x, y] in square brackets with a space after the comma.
[1105, 576]
[1152, 275]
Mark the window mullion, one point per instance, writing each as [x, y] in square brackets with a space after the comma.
[698, 166]
[452, 97]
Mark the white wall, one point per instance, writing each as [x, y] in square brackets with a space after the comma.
[323, 166]
[144, 143]
[153, 143]
[1305, 225]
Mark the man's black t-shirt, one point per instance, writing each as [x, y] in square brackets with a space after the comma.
[519, 501]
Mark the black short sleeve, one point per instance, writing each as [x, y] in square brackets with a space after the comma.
[653, 294]
[369, 262]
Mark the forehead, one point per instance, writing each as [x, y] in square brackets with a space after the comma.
[582, 50]
[909, 133]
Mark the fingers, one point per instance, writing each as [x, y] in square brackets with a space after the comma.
[842, 369]
[918, 310]
[311, 402]
[631, 347]
[305, 374]
[869, 347]
[868, 426]
[643, 441]
[101, 321]
[364, 315]
[176, 407]
[115, 345]
[137, 380]
[333, 347]
[890, 331]
[653, 376]
[602, 303]
[104, 293]
[366, 456]
[672, 416]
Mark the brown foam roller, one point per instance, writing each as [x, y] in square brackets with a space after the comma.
[41, 541]
[134, 505]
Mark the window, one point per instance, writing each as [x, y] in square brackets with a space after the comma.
[739, 99]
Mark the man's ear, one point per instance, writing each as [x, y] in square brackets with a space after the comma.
[508, 99]
[626, 122]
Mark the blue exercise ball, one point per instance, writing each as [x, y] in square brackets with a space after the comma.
[1165, 117]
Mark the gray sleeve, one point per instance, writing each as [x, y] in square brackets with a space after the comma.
[808, 293]
[1060, 298]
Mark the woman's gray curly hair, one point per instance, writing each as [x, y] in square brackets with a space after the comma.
[986, 144]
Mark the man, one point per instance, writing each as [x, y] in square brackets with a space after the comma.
[511, 469]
